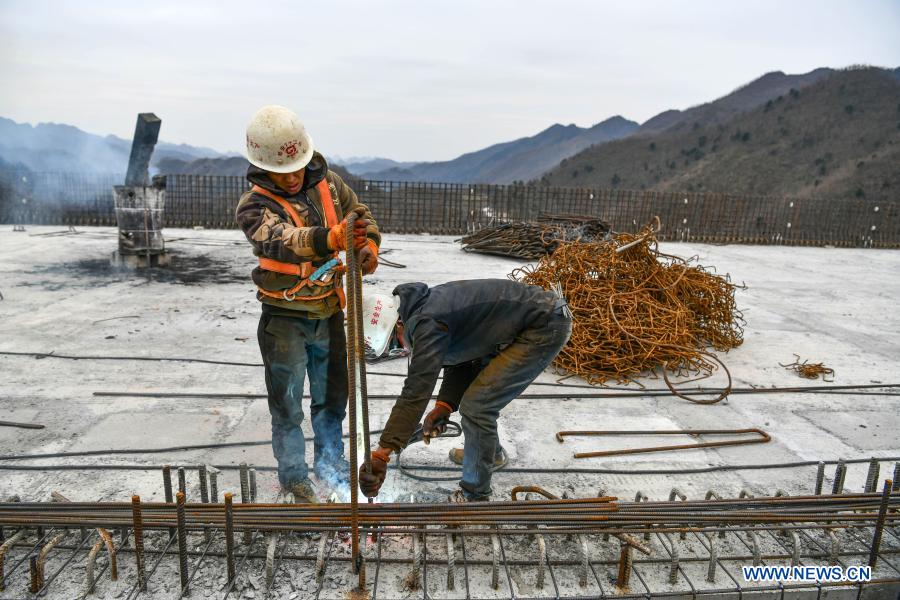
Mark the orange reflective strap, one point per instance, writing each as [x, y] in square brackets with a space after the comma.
[305, 269]
[327, 203]
[279, 267]
[289, 294]
[342, 297]
[294, 216]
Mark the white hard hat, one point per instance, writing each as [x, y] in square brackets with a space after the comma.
[277, 140]
[380, 314]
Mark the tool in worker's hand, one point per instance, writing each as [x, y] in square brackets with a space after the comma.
[556, 288]
[453, 430]
[435, 421]
[333, 265]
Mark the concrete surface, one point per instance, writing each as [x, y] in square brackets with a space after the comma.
[61, 295]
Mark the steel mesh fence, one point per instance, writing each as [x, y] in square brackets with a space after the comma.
[457, 209]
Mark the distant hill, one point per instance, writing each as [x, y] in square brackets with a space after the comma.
[349, 178]
[64, 148]
[518, 160]
[747, 97]
[231, 165]
[364, 166]
[838, 137]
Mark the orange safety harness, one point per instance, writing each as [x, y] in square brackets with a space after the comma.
[305, 269]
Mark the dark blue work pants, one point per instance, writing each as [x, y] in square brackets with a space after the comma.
[291, 347]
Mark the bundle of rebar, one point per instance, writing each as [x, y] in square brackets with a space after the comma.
[636, 309]
[604, 514]
[533, 240]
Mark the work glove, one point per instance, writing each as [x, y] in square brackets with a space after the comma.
[368, 257]
[337, 235]
[370, 483]
[435, 422]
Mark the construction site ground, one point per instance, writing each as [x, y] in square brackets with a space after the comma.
[61, 295]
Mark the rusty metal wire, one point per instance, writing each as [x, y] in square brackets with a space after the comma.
[759, 437]
[533, 240]
[809, 370]
[636, 309]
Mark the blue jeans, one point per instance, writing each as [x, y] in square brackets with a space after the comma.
[291, 347]
[502, 380]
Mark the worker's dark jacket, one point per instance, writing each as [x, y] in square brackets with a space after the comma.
[453, 324]
[267, 227]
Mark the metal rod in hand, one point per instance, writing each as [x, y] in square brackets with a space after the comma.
[351, 380]
[361, 363]
[357, 384]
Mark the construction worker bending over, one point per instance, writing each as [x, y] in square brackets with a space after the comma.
[492, 337]
[294, 216]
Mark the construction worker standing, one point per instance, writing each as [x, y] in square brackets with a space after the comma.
[294, 217]
[492, 337]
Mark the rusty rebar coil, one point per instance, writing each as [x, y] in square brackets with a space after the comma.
[637, 309]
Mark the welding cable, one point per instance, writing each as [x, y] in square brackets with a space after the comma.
[407, 469]
[842, 390]
[629, 391]
[40, 355]
[383, 261]
[215, 446]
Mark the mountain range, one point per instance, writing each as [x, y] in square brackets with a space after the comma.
[519, 160]
[363, 166]
[746, 97]
[825, 132]
[64, 148]
[836, 135]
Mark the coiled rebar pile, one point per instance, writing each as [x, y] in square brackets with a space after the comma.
[636, 309]
[535, 240]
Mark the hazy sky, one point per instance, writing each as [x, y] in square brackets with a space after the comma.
[410, 80]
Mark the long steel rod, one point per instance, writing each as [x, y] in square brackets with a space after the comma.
[762, 437]
[353, 385]
[561, 515]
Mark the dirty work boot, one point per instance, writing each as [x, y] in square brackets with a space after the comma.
[460, 496]
[500, 459]
[303, 492]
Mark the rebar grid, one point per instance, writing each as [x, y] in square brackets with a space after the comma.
[498, 550]
[512, 563]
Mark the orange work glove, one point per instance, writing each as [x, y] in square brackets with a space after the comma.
[435, 422]
[370, 483]
[337, 235]
[368, 257]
